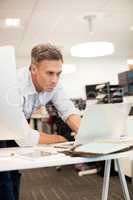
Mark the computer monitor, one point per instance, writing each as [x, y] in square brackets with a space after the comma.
[11, 119]
[103, 121]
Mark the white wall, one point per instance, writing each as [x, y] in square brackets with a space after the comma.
[89, 71]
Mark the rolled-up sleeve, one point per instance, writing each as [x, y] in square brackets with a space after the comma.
[63, 104]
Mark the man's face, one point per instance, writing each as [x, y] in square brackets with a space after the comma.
[46, 74]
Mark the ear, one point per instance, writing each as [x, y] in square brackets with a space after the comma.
[33, 68]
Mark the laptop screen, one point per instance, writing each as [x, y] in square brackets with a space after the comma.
[102, 121]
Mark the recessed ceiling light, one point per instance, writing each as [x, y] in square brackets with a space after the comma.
[92, 49]
[12, 22]
[131, 28]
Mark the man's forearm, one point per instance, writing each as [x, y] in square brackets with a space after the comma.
[73, 122]
[50, 138]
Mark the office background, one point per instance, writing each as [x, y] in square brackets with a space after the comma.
[61, 22]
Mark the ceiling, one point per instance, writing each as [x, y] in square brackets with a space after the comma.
[61, 23]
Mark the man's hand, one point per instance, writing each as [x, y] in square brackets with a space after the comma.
[50, 139]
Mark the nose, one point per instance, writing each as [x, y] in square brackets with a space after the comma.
[55, 79]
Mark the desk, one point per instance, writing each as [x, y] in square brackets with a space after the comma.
[11, 159]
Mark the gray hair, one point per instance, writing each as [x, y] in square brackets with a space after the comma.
[45, 52]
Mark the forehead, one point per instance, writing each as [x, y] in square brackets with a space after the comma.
[50, 65]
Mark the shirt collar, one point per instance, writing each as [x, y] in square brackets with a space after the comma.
[29, 88]
[32, 89]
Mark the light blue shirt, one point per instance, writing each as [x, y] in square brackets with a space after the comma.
[31, 99]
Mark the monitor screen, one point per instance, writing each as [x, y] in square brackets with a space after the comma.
[11, 119]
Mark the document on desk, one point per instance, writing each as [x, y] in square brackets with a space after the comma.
[39, 153]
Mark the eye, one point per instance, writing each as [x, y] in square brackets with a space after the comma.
[58, 74]
[50, 73]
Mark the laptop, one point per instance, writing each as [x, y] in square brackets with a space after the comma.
[102, 131]
[102, 122]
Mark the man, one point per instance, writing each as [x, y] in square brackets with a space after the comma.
[38, 85]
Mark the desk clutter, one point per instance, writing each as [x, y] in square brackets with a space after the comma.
[105, 93]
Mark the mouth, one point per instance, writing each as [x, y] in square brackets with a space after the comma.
[51, 88]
